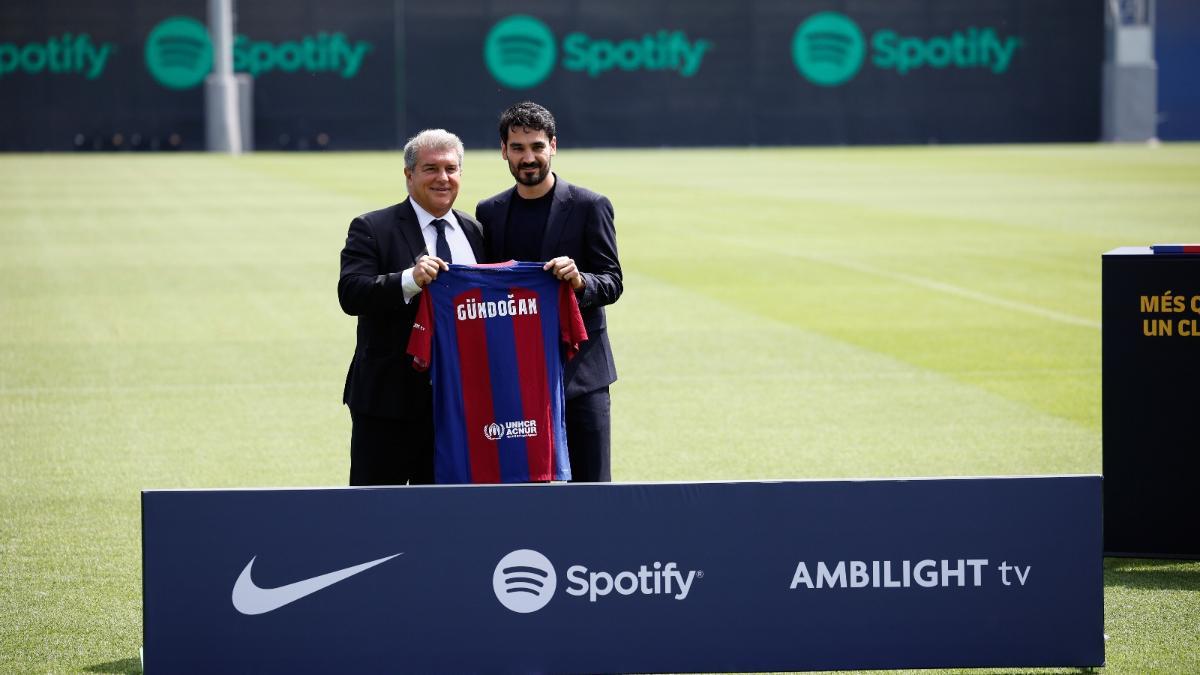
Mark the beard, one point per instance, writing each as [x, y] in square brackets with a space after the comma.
[539, 174]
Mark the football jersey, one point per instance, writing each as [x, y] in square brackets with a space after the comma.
[496, 337]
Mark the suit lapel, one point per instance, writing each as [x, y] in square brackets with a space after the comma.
[560, 208]
[498, 223]
[410, 229]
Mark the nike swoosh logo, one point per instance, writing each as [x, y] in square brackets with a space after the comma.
[249, 598]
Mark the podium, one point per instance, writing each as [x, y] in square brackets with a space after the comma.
[1151, 394]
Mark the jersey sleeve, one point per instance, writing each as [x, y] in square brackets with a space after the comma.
[570, 321]
[420, 341]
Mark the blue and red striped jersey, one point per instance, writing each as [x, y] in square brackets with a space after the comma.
[497, 337]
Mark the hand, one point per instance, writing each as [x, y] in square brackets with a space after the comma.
[564, 268]
[426, 269]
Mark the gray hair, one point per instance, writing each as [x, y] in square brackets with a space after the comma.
[431, 139]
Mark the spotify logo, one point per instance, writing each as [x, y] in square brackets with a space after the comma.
[524, 581]
[520, 51]
[179, 53]
[828, 48]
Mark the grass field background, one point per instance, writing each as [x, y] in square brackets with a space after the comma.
[172, 321]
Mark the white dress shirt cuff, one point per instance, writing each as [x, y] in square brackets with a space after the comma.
[409, 285]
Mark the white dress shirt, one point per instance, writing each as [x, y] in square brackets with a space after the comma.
[460, 248]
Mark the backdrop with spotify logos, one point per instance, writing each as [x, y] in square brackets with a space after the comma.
[135, 81]
[369, 73]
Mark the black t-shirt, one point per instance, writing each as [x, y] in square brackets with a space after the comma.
[527, 220]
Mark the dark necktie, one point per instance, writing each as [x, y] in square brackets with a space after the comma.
[443, 246]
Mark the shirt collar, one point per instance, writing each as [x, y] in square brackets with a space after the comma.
[425, 218]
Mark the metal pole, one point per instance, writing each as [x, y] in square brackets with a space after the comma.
[1129, 105]
[220, 26]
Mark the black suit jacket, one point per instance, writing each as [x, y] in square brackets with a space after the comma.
[580, 225]
[379, 247]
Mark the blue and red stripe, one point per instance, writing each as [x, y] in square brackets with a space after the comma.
[495, 376]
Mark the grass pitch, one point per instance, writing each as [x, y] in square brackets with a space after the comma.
[172, 321]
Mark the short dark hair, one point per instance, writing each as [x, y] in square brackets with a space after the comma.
[529, 115]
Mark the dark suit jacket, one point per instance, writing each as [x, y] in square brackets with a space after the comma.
[379, 247]
[580, 226]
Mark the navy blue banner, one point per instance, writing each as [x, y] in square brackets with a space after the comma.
[679, 577]
[1150, 364]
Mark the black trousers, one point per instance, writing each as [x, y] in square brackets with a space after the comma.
[589, 421]
[386, 451]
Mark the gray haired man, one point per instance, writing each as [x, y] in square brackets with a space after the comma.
[390, 255]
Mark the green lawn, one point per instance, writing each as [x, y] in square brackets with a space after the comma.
[172, 321]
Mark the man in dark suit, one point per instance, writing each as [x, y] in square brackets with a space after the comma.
[543, 217]
[386, 262]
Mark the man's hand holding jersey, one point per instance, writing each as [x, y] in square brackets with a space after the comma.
[426, 269]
